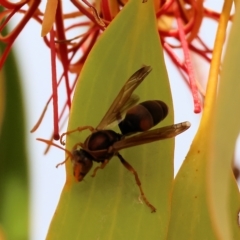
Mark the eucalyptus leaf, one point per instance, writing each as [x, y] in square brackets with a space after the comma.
[206, 201]
[109, 206]
[224, 197]
[14, 186]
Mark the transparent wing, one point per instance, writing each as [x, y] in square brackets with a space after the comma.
[114, 120]
[152, 135]
[124, 100]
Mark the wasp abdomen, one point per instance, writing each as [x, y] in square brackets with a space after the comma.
[143, 116]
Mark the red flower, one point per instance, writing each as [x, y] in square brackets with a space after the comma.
[177, 22]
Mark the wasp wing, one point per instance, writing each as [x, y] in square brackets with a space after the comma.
[117, 118]
[152, 135]
[123, 101]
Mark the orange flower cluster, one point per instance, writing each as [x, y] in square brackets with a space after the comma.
[177, 21]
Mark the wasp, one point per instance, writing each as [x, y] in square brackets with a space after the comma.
[102, 144]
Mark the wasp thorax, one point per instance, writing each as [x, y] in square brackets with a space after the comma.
[82, 163]
[143, 116]
[101, 140]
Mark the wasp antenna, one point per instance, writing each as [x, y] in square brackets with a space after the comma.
[55, 145]
[102, 166]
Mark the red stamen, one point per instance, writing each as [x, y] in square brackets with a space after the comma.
[164, 9]
[106, 10]
[189, 18]
[10, 5]
[207, 49]
[41, 116]
[63, 50]
[36, 126]
[192, 81]
[13, 35]
[200, 52]
[54, 86]
[61, 114]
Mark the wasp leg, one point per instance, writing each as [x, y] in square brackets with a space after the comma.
[79, 129]
[133, 171]
[61, 163]
[69, 153]
[102, 166]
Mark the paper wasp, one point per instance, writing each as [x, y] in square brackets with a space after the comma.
[102, 144]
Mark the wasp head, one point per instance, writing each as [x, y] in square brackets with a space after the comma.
[82, 163]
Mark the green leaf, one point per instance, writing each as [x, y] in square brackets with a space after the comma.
[108, 206]
[224, 198]
[206, 199]
[14, 201]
